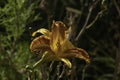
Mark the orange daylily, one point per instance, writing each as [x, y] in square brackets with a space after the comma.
[56, 45]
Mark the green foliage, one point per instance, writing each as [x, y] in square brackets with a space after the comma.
[14, 50]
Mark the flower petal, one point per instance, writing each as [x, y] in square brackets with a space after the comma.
[66, 61]
[43, 31]
[40, 44]
[57, 35]
[67, 45]
[78, 53]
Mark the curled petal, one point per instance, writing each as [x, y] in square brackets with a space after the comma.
[78, 53]
[40, 44]
[43, 31]
[66, 61]
[57, 35]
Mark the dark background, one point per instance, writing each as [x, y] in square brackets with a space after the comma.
[20, 18]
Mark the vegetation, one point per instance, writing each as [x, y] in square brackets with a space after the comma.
[94, 26]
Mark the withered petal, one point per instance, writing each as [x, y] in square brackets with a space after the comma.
[78, 53]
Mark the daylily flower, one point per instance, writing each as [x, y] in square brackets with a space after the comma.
[56, 45]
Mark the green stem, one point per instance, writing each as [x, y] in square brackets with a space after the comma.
[38, 62]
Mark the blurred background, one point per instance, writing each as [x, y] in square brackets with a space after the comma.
[100, 38]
